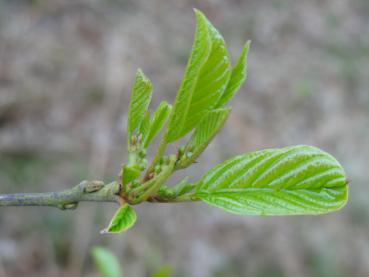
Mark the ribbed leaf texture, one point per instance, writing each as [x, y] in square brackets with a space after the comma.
[207, 129]
[123, 219]
[140, 100]
[107, 263]
[145, 126]
[158, 121]
[211, 82]
[238, 77]
[208, 81]
[199, 54]
[295, 180]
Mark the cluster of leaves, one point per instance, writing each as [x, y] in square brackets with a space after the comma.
[289, 181]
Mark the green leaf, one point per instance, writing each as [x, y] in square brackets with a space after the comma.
[130, 173]
[140, 100]
[106, 262]
[238, 77]
[204, 82]
[209, 126]
[288, 181]
[211, 82]
[158, 121]
[183, 187]
[145, 126]
[124, 218]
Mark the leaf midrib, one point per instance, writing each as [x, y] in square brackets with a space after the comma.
[245, 190]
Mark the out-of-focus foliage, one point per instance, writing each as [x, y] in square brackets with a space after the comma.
[106, 262]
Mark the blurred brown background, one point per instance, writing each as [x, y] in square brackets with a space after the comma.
[66, 69]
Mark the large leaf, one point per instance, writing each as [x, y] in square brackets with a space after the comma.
[140, 100]
[124, 218]
[288, 181]
[205, 80]
[106, 262]
[238, 77]
[159, 119]
[203, 135]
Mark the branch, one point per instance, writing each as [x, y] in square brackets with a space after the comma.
[94, 191]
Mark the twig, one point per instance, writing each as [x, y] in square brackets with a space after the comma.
[94, 191]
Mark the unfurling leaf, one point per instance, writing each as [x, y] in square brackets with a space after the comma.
[238, 77]
[288, 181]
[123, 219]
[158, 121]
[209, 126]
[140, 100]
[183, 187]
[145, 126]
[106, 262]
[211, 81]
[200, 52]
[130, 173]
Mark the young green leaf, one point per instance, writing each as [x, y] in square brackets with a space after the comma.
[183, 187]
[158, 121]
[123, 219]
[211, 82]
[199, 55]
[130, 173]
[145, 126]
[140, 100]
[106, 262]
[209, 126]
[238, 77]
[288, 181]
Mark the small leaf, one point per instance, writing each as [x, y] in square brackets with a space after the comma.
[288, 181]
[183, 187]
[166, 192]
[140, 100]
[106, 262]
[200, 53]
[124, 218]
[158, 121]
[209, 126]
[238, 77]
[130, 173]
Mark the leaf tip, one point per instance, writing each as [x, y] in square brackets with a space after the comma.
[104, 231]
[200, 16]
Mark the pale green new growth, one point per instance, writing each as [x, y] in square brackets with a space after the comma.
[238, 76]
[295, 180]
[199, 55]
[123, 219]
[140, 100]
[204, 133]
[158, 121]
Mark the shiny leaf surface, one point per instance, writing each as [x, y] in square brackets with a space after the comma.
[288, 181]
